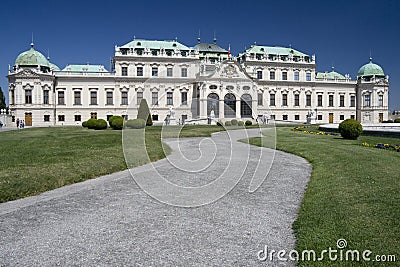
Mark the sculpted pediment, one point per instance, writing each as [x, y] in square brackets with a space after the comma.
[27, 74]
[229, 70]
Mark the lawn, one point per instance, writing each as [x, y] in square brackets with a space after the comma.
[40, 159]
[354, 193]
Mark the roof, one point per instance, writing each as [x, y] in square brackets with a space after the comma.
[370, 69]
[330, 75]
[54, 67]
[155, 44]
[85, 68]
[274, 50]
[32, 58]
[210, 48]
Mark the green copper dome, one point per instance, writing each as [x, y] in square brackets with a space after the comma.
[370, 69]
[330, 75]
[32, 58]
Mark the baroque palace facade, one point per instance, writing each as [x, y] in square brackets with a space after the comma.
[277, 83]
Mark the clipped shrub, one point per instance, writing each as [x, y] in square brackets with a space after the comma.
[91, 123]
[240, 123]
[234, 122]
[248, 123]
[388, 121]
[84, 124]
[219, 123]
[228, 123]
[397, 120]
[350, 129]
[100, 124]
[110, 120]
[117, 123]
[144, 112]
[136, 124]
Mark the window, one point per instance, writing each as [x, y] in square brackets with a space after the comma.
[124, 71]
[61, 98]
[308, 100]
[78, 117]
[272, 117]
[28, 96]
[341, 117]
[77, 98]
[296, 75]
[61, 117]
[285, 117]
[125, 117]
[330, 102]
[308, 76]
[12, 97]
[184, 98]
[169, 98]
[284, 99]
[154, 117]
[46, 118]
[93, 115]
[272, 99]
[109, 98]
[184, 72]
[272, 75]
[169, 72]
[367, 101]
[296, 117]
[296, 100]
[352, 117]
[139, 71]
[319, 117]
[352, 101]
[319, 104]
[380, 100]
[139, 98]
[341, 101]
[154, 71]
[259, 74]
[124, 98]
[154, 98]
[284, 75]
[93, 98]
[260, 99]
[46, 97]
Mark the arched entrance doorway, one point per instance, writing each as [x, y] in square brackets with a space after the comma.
[213, 104]
[245, 106]
[230, 106]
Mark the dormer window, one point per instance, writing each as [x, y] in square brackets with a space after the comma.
[262, 49]
[138, 43]
[174, 45]
[169, 53]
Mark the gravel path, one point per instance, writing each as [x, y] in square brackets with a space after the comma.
[110, 221]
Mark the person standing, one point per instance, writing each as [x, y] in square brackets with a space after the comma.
[17, 122]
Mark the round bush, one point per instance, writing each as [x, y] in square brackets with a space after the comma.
[228, 123]
[100, 124]
[111, 119]
[350, 129]
[397, 120]
[90, 123]
[388, 121]
[248, 123]
[117, 123]
[219, 123]
[240, 123]
[84, 124]
[234, 122]
[136, 124]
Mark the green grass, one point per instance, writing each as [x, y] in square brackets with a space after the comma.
[40, 159]
[353, 194]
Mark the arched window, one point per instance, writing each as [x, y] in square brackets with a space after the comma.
[245, 106]
[213, 104]
[230, 106]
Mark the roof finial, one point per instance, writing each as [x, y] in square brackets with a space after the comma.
[32, 44]
[370, 56]
[48, 54]
[134, 37]
[198, 38]
[215, 38]
[176, 39]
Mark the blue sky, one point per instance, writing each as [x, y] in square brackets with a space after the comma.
[340, 33]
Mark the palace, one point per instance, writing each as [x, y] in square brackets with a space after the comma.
[278, 83]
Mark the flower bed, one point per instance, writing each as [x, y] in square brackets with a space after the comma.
[303, 129]
[383, 146]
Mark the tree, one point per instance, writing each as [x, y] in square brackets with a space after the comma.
[2, 100]
[144, 113]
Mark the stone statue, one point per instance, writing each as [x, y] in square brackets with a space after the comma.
[171, 113]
